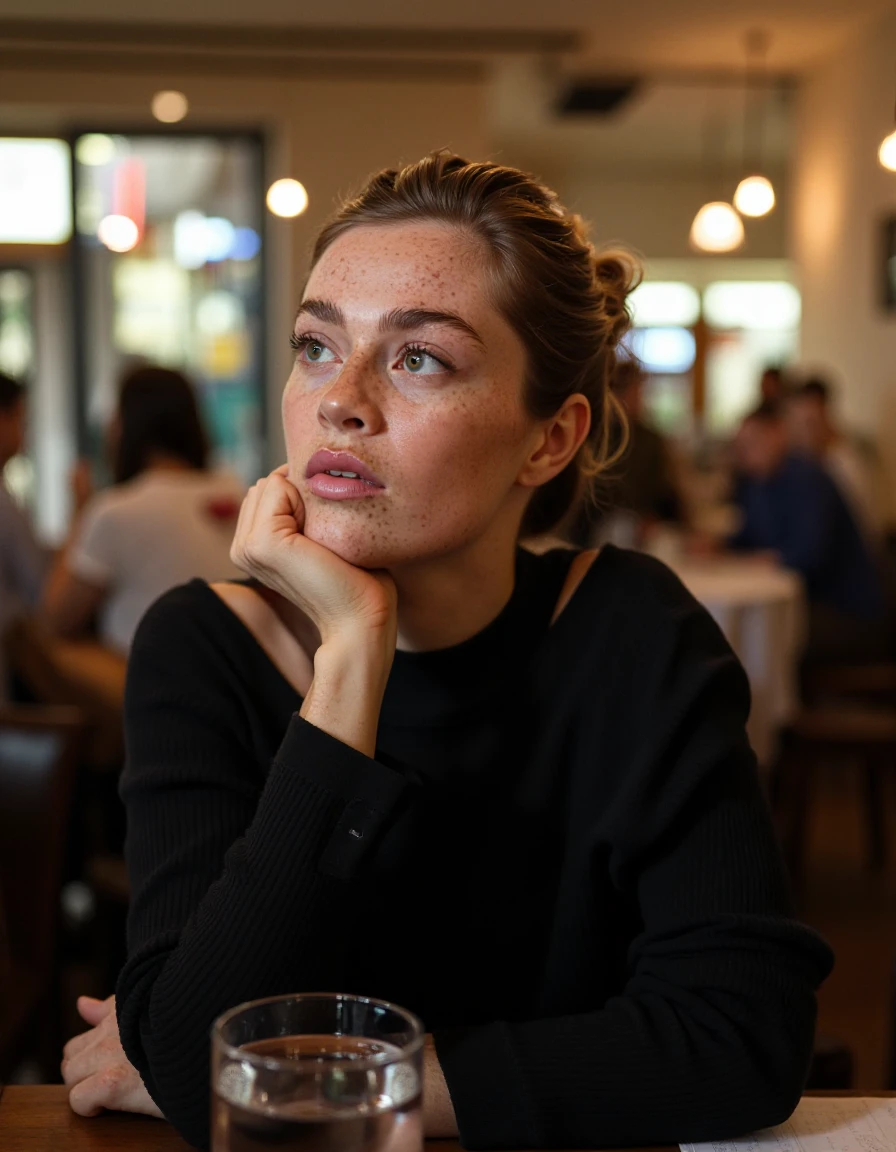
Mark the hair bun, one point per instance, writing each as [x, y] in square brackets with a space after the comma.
[618, 273]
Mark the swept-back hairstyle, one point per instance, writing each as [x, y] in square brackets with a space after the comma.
[564, 299]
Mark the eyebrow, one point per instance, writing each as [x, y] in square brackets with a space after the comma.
[398, 320]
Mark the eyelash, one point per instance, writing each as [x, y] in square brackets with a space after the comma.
[300, 342]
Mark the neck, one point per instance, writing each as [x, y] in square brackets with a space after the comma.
[446, 600]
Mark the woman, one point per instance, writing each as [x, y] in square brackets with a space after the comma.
[165, 520]
[510, 792]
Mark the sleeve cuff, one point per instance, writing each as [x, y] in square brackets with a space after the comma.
[369, 790]
[491, 1101]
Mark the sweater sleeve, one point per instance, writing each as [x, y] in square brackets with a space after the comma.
[236, 871]
[712, 1033]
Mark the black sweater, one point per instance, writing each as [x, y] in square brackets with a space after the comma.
[565, 864]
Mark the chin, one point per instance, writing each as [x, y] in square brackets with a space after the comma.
[355, 540]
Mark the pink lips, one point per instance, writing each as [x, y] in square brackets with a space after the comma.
[329, 487]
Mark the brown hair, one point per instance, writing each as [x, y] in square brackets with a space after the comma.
[157, 413]
[565, 300]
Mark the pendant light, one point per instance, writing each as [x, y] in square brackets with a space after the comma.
[716, 227]
[755, 195]
[887, 152]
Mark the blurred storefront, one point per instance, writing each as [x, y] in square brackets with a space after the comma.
[168, 268]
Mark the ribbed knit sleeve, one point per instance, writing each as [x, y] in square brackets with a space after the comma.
[236, 875]
[712, 1033]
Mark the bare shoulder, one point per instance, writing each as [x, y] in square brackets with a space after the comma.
[262, 618]
[577, 573]
[251, 607]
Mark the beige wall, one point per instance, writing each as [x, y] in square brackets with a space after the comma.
[330, 133]
[841, 195]
[653, 212]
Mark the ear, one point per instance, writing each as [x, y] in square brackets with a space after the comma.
[558, 440]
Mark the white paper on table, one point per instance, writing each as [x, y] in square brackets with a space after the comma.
[822, 1124]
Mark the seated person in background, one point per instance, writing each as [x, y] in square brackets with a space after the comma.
[513, 793]
[165, 520]
[640, 489]
[814, 432]
[23, 563]
[790, 506]
[772, 385]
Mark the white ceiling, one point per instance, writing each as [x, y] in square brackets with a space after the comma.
[665, 125]
[622, 34]
[673, 44]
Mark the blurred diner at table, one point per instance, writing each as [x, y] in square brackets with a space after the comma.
[23, 561]
[815, 431]
[166, 518]
[792, 509]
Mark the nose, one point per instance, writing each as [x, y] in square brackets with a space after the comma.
[350, 404]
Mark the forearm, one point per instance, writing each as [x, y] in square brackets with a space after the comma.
[276, 917]
[712, 1064]
[346, 694]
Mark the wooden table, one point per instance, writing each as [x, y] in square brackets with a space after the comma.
[37, 1118]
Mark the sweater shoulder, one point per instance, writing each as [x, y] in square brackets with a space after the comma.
[645, 593]
[189, 638]
[635, 615]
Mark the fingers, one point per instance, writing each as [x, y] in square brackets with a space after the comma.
[93, 1011]
[272, 507]
[117, 1087]
[84, 1098]
[78, 1044]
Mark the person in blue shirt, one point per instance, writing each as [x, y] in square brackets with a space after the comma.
[790, 506]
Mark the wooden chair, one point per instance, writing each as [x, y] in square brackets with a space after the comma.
[39, 750]
[851, 719]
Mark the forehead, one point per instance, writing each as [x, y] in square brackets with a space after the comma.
[425, 265]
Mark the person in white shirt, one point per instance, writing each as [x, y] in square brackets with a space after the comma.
[166, 520]
[814, 432]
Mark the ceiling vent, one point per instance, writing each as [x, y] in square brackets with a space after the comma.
[595, 97]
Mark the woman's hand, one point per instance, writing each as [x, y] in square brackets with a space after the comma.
[96, 1069]
[337, 597]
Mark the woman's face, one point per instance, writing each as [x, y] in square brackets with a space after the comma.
[404, 365]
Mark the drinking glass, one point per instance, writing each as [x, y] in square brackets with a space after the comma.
[316, 1072]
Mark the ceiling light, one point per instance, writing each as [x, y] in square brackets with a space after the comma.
[94, 150]
[755, 196]
[169, 106]
[717, 228]
[118, 233]
[887, 152]
[287, 198]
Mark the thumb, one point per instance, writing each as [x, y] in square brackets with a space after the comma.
[95, 1011]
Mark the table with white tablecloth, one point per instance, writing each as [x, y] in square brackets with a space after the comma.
[761, 609]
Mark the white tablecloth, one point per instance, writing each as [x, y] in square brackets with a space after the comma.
[761, 610]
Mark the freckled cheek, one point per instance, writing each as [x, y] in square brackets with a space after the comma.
[299, 412]
[465, 456]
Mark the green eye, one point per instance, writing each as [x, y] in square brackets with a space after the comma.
[414, 361]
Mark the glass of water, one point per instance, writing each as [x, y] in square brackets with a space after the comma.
[315, 1072]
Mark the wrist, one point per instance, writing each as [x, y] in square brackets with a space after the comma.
[360, 656]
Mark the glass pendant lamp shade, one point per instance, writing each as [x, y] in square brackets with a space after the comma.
[717, 228]
[755, 196]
